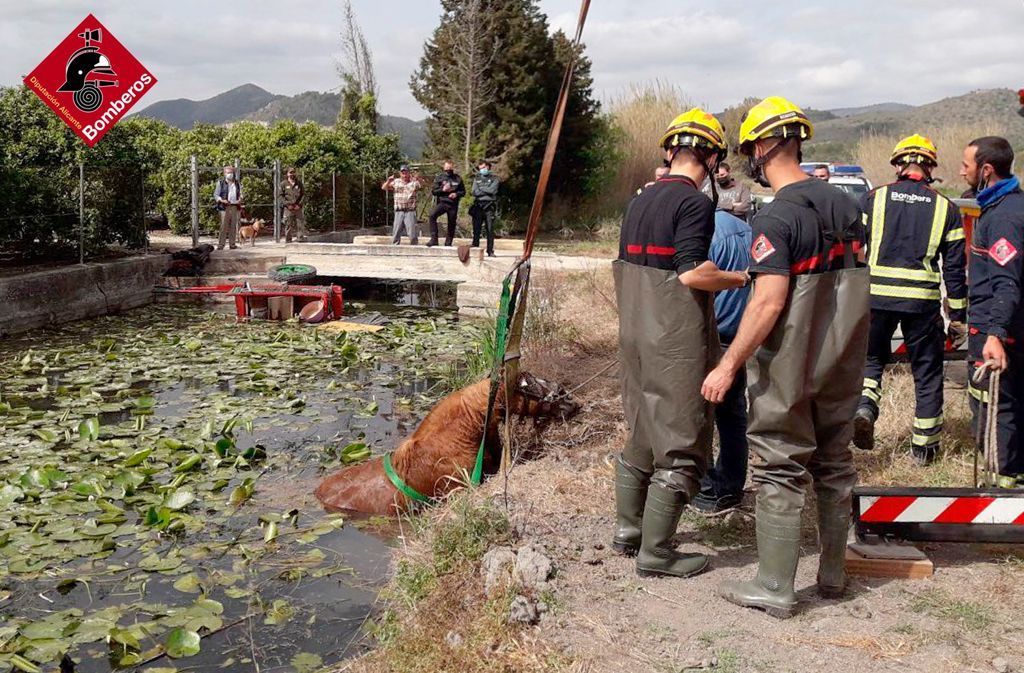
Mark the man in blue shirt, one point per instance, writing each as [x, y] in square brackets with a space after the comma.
[722, 487]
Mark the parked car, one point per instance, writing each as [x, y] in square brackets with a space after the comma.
[854, 185]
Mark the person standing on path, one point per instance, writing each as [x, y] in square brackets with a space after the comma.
[291, 193]
[667, 341]
[909, 226]
[404, 186]
[485, 205]
[722, 486]
[228, 197]
[805, 333]
[448, 190]
[996, 310]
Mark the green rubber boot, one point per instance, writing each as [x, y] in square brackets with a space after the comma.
[630, 494]
[778, 550]
[833, 532]
[657, 556]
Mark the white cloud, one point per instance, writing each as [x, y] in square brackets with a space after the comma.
[820, 53]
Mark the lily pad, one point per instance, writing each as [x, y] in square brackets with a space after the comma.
[182, 643]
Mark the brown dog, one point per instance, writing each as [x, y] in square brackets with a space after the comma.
[443, 448]
[250, 231]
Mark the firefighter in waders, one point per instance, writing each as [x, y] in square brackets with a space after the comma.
[664, 284]
[909, 226]
[805, 333]
[996, 313]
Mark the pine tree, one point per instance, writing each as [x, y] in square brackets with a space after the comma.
[521, 79]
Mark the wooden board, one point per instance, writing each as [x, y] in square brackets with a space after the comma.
[902, 568]
[342, 326]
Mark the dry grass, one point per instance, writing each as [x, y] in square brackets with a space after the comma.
[873, 152]
[639, 119]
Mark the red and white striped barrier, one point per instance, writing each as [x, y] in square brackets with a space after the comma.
[913, 509]
[940, 514]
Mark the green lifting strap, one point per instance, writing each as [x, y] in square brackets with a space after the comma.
[500, 338]
[405, 488]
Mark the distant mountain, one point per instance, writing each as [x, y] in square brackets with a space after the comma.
[877, 107]
[988, 108]
[251, 103]
[309, 106]
[222, 108]
[412, 135]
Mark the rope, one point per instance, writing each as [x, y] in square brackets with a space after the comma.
[512, 307]
[986, 435]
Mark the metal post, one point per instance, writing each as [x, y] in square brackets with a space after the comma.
[142, 207]
[277, 206]
[241, 199]
[195, 202]
[362, 219]
[81, 212]
[334, 201]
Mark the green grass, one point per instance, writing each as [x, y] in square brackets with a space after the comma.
[968, 614]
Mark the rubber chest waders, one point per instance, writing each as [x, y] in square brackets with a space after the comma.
[668, 343]
[804, 385]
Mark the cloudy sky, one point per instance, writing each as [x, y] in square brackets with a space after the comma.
[820, 53]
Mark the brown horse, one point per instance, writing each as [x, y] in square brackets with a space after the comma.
[443, 448]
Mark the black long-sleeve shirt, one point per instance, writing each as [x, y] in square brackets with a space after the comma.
[447, 183]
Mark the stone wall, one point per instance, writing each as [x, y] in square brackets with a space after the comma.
[41, 298]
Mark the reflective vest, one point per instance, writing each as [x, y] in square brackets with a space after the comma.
[910, 226]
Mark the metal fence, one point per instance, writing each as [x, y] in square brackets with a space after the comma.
[69, 211]
[331, 202]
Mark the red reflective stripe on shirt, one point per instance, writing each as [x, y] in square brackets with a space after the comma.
[660, 250]
[678, 178]
[634, 249]
[812, 263]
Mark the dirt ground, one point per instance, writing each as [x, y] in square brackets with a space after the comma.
[603, 617]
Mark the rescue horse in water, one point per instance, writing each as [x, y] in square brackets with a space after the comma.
[443, 449]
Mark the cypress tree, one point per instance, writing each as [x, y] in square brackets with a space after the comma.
[523, 77]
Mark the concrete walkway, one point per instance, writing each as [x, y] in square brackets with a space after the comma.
[372, 256]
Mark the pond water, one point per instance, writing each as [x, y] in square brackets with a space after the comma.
[156, 478]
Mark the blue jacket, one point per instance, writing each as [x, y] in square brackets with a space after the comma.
[730, 251]
[995, 306]
[221, 192]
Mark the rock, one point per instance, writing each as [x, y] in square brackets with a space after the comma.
[532, 567]
[453, 639]
[497, 567]
[858, 610]
[523, 611]
[733, 519]
[1001, 665]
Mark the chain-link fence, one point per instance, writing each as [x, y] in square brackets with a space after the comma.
[331, 201]
[68, 212]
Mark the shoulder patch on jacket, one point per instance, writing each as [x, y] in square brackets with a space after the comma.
[762, 249]
[1002, 251]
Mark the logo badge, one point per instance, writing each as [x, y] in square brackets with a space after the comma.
[762, 249]
[1002, 251]
[90, 80]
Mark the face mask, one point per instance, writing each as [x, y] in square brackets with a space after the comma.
[229, 176]
[722, 182]
[485, 171]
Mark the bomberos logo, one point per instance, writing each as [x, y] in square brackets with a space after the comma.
[90, 80]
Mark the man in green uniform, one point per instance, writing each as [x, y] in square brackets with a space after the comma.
[806, 327]
[667, 340]
[291, 194]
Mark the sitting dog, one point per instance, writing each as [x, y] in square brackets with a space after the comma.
[250, 231]
[442, 449]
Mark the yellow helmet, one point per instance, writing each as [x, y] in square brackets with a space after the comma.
[774, 117]
[696, 128]
[915, 149]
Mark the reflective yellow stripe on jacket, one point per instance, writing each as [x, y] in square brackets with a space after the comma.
[922, 282]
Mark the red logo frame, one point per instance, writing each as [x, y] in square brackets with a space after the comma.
[90, 80]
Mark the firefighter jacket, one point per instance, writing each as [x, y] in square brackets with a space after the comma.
[910, 226]
[996, 268]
